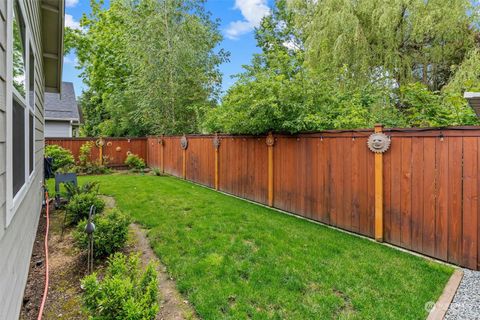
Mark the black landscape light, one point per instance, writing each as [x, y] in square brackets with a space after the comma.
[89, 230]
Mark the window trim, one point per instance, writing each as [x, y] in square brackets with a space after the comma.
[14, 202]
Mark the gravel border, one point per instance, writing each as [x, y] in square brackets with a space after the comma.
[466, 302]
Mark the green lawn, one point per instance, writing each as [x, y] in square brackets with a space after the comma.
[236, 260]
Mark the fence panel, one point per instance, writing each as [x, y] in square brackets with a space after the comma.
[200, 161]
[172, 156]
[243, 167]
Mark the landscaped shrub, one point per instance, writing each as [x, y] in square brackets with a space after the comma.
[85, 154]
[85, 163]
[125, 292]
[133, 161]
[88, 187]
[79, 206]
[111, 231]
[62, 158]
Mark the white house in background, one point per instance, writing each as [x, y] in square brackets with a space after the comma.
[31, 54]
[62, 116]
[473, 99]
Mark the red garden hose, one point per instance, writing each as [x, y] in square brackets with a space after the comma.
[45, 291]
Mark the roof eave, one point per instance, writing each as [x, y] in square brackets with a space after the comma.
[53, 21]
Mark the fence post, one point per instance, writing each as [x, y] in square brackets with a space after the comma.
[270, 141]
[216, 145]
[184, 145]
[161, 142]
[100, 143]
[378, 190]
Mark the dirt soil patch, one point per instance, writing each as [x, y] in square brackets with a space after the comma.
[68, 266]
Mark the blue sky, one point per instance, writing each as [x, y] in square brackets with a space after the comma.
[238, 18]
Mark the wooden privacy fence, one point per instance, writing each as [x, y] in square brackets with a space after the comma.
[421, 194]
[114, 150]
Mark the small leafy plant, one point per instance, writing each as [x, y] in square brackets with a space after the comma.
[157, 172]
[111, 231]
[62, 158]
[88, 187]
[134, 162]
[79, 206]
[85, 154]
[125, 292]
[85, 163]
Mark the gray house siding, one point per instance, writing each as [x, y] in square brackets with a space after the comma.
[58, 129]
[16, 240]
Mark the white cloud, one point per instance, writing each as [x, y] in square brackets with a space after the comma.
[70, 59]
[71, 22]
[71, 3]
[253, 12]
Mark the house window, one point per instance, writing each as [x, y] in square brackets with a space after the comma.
[31, 117]
[18, 51]
[21, 111]
[18, 145]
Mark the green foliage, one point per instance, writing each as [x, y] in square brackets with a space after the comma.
[62, 158]
[86, 165]
[424, 108]
[345, 65]
[157, 171]
[125, 292]
[79, 206]
[467, 74]
[88, 187]
[134, 161]
[111, 231]
[85, 154]
[151, 66]
[378, 41]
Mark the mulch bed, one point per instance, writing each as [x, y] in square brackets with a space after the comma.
[36, 279]
[68, 266]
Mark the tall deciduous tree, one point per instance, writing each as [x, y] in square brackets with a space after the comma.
[341, 64]
[398, 40]
[150, 66]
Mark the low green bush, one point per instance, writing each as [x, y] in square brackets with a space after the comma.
[133, 161]
[79, 206]
[62, 158]
[111, 231]
[88, 187]
[125, 292]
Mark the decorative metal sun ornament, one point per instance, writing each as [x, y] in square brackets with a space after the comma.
[378, 142]
[270, 140]
[216, 142]
[184, 142]
[100, 143]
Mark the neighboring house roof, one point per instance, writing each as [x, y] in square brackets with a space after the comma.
[62, 106]
[473, 99]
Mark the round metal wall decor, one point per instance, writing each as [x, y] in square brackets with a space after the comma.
[184, 142]
[216, 142]
[270, 140]
[378, 142]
